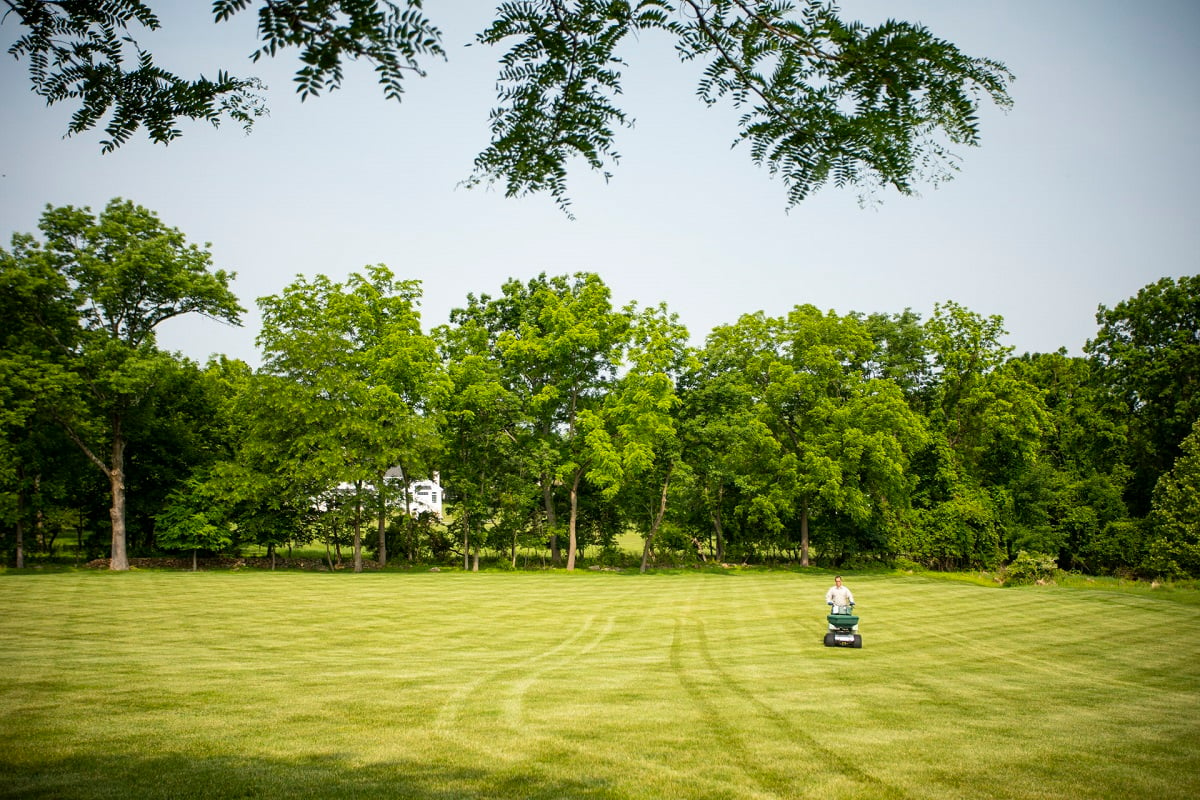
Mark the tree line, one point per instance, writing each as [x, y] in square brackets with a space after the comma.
[559, 423]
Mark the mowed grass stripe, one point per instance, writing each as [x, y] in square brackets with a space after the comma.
[588, 685]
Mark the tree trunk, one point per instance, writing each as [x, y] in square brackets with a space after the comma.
[382, 523]
[466, 540]
[20, 518]
[194, 565]
[44, 534]
[39, 518]
[658, 518]
[406, 498]
[718, 529]
[804, 534]
[551, 518]
[49, 537]
[358, 564]
[116, 479]
[572, 541]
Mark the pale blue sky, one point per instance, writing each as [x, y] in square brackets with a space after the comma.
[1082, 194]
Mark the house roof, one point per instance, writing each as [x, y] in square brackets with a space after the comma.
[395, 473]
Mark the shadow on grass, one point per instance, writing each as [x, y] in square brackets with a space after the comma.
[184, 775]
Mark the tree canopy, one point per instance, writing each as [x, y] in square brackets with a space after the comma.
[1148, 349]
[823, 99]
[93, 293]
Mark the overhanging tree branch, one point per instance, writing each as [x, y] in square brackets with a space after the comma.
[825, 100]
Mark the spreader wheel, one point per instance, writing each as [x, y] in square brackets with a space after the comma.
[857, 641]
[830, 641]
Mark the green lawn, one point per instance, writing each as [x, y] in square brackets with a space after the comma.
[591, 685]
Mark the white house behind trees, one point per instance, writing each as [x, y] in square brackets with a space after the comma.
[423, 495]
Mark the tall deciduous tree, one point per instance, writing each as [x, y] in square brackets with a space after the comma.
[988, 422]
[726, 445]
[244, 488]
[354, 383]
[1176, 515]
[1148, 351]
[1073, 494]
[485, 434]
[825, 100]
[35, 306]
[119, 275]
[730, 397]
[991, 415]
[851, 435]
[558, 342]
[631, 438]
[844, 437]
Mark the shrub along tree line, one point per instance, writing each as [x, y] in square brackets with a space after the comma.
[558, 422]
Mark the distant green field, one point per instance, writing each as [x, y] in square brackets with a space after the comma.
[588, 685]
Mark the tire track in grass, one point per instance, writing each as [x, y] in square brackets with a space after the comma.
[518, 676]
[518, 689]
[637, 761]
[448, 715]
[728, 739]
[514, 696]
[507, 758]
[517, 755]
[702, 694]
[879, 787]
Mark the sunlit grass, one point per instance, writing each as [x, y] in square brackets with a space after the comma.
[548, 685]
